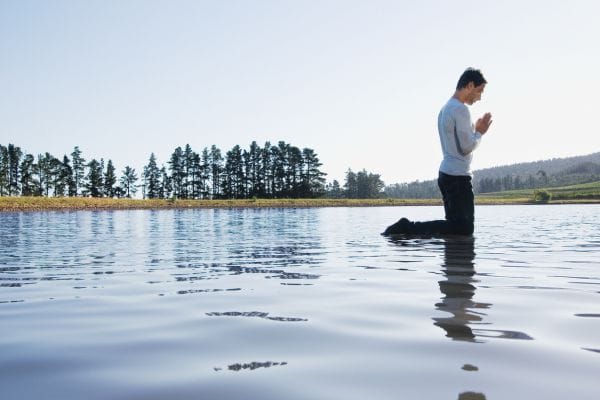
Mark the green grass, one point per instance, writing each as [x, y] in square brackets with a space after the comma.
[587, 192]
[86, 203]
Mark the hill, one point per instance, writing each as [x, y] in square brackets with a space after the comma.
[550, 173]
[585, 191]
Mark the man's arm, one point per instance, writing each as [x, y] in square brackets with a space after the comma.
[467, 139]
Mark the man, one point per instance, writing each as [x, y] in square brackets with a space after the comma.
[459, 139]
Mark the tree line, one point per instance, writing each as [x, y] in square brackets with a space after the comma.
[357, 185]
[429, 189]
[271, 171]
[583, 172]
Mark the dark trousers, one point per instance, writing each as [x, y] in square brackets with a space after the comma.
[459, 206]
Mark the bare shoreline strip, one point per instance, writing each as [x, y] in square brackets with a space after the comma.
[18, 204]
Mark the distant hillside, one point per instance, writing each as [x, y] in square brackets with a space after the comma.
[553, 166]
[584, 191]
[529, 175]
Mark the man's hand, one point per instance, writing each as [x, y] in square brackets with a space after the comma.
[483, 123]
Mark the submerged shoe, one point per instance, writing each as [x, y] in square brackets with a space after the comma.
[403, 226]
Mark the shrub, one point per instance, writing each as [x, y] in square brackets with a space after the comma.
[541, 196]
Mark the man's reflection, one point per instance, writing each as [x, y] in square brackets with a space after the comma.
[458, 288]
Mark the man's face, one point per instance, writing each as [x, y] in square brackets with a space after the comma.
[474, 93]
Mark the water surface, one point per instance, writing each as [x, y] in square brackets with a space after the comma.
[299, 304]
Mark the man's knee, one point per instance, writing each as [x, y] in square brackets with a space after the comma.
[463, 227]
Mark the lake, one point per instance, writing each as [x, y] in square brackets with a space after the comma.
[299, 304]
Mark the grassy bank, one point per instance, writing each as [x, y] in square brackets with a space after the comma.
[84, 203]
[586, 193]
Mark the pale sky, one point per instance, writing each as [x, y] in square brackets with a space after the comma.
[360, 82]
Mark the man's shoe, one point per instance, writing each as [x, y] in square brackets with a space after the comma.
[403, 226]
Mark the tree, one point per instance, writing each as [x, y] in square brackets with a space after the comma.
[78, 169]
[351, 185]
[253, 170]
[543, 177]
[14, 159]
[128, 181]
[313, 179]
[198, 180]
[65, 183]
[294, 171]
[165, 188]
[363, 185]
[110, 180]
[176, 165]
[233, 183]
[189, 173]
[216, 169]
[93, 185]
[152, 177]
[369, 185]
[29, 185]
[266, 173]
[47, 167]
[4, 171]
[333, 190]
[205, 174]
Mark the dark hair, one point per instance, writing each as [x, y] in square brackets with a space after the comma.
[470, 75]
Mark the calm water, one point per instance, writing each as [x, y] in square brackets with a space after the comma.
[299, 304]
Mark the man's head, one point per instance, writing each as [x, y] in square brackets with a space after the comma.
[470, 86]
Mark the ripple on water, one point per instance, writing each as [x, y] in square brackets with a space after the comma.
[234, 304]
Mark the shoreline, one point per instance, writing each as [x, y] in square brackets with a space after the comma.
[25, 204]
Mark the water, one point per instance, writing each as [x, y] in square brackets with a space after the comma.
[299, 304]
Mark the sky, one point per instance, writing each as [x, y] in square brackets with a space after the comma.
[360, 82]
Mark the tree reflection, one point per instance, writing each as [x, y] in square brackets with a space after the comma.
[459, 288]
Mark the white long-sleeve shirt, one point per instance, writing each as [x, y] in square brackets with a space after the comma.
[458, 138]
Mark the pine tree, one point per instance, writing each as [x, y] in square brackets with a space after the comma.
[253, 170]
[4, 168]
[313, 179]
[110, 180]
[216, 169]
[189, 173]
[205, 174]
[152, 177]
[176, 166]
[294, 171]
[234, 166]
[351, 186]
[128, 182]
[29, 185]
[266, 174]
[165, 183]
[93, 185]
[14, 159]
[65, 184]
[47, 172]
[197, 178]
[229, 183]
[78, 169]
[334, 191]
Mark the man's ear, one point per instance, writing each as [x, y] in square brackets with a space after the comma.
[471, 85]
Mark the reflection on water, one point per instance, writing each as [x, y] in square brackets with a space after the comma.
[471, 396]
[230, 304]
[459, 289]
[256, 314]
[252, 366]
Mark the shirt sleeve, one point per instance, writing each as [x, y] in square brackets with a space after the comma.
[466, 138]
